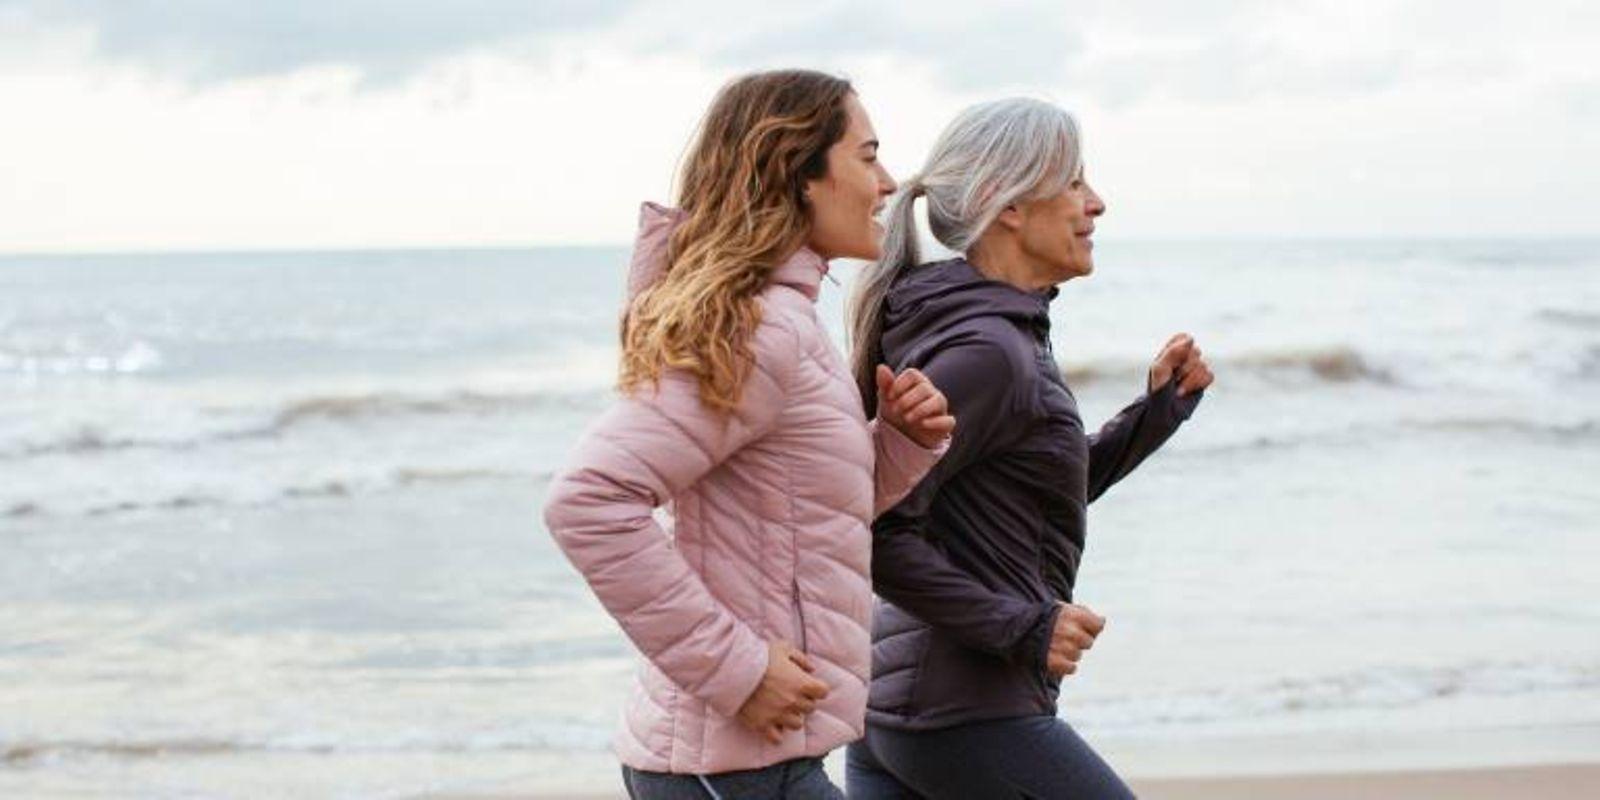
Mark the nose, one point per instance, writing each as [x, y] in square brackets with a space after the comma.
[1095, 205]
[886, 183]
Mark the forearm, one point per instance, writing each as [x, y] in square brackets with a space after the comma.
[898, 464]
[1134, 433]
[661, 604]
[910, 572]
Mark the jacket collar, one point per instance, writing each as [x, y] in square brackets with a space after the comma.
[802, 271]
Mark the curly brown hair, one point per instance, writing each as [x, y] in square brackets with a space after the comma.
[742, 191]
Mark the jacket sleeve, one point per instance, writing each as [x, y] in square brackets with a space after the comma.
[644, 450]
[1134, 433]
[908, 568]
[898, 464]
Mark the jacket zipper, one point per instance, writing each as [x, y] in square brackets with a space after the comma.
[799, 614]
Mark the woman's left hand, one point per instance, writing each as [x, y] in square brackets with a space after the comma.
[1180, 358]
[914, 406]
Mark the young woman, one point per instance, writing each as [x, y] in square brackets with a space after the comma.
[977, 565]
[739, 415]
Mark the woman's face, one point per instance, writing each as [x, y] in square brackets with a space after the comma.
[844, 202]
[1056, 233]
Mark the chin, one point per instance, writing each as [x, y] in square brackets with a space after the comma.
[1073, 269]
[873, 247]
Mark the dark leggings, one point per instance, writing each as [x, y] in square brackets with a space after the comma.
[799, 779]
[1025, 757]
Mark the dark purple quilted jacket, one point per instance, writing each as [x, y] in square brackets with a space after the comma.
[971, 566]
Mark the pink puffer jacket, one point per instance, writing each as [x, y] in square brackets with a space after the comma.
[770, 538]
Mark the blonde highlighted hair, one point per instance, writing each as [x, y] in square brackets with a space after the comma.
[742, 191]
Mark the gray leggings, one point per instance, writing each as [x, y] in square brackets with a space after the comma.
[799, 779]
[1025, 757]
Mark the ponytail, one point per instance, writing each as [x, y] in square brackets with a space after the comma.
[865, 312]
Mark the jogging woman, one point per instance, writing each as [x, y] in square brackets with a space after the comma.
[738, 414]
[977, 565]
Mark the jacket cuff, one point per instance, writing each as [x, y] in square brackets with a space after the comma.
[1172, 408]
[906, 457]
[900, 464]
[1034, 646]
[737, 679]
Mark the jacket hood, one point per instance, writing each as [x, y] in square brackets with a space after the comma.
[931, 302]
[649, 263]
[802, 270]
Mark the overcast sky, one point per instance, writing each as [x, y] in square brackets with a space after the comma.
[201, 124]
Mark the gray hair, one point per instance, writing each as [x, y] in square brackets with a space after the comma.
[990, 156]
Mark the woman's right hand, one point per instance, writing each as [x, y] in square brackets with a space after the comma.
[786, 694]
[1076, 628]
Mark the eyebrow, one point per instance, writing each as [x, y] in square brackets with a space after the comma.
[872, 143]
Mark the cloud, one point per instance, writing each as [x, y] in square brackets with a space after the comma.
[206, 41]
[968, 46]
[964, 46]
[1123, 52]
[1239, 70]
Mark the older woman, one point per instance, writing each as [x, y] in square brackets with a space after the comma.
[977, 565]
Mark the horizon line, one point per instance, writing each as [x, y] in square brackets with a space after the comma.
[1201, 238]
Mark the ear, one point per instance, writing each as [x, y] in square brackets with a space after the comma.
[807, 187]
[1010, 217]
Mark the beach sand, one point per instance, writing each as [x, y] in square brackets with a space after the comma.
[1551, 763]
[1550, 782]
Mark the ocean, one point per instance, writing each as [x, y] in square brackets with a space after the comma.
[270, 522]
